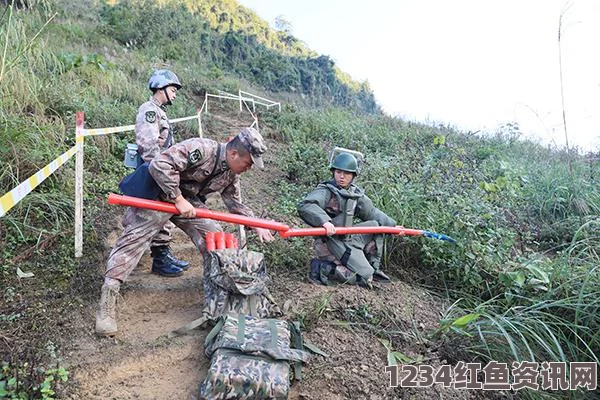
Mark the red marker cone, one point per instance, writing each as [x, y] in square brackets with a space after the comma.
[219, 240]
[210, 241]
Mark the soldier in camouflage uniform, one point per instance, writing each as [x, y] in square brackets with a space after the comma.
[352, 259]
[185, 173]
[153, 133]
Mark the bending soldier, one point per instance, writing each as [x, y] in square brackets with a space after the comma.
[354, 259]
[153, 133]
[185, 173]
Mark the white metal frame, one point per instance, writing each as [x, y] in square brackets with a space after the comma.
[336, 150]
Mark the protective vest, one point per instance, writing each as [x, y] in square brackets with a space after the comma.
[341, 207]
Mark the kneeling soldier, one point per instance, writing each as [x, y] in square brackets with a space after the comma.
[354, 259]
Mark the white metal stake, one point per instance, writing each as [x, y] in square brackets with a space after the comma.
[79, 140]
[200, 121]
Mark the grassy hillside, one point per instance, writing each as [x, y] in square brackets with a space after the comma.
[524, 273]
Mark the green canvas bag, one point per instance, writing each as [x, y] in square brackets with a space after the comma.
[250, 358]
[235, 280]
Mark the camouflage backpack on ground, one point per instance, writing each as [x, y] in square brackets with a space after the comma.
[235, 280]
[250, 358]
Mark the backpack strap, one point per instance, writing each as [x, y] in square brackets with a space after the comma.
[314, 349]
[296, 342]
[349, 211]
[274, 335]
[214, 332]
[346, 256]
[241, 330]
[252, 299]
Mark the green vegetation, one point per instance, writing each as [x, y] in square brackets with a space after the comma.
[26, 383]
[229, 37]
[525, 269]
[523, 277]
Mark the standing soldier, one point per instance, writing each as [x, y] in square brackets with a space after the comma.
[185, 173]
[153, 133]
[352, 259]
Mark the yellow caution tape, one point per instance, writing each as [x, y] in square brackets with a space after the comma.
[126, 128]
[183, 118]
[11, 198]
[106, 131]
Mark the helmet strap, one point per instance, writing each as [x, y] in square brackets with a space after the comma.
[168, 102]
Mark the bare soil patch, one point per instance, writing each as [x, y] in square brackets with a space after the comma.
[142, 363]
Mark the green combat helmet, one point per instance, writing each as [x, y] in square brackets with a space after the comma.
[161, 78]
[345, 162]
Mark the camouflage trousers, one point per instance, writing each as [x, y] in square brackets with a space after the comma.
[140, 226]
[163, 237]
[354, 255]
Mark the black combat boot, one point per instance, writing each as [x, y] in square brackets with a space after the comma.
[184, 265]
[162, 265]
[314, 275]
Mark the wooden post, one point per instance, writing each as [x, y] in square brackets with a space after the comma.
[79, 138]
[240, 96]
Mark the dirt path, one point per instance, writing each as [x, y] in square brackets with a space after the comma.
[141, 362]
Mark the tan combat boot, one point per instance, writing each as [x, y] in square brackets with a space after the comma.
[106, 316]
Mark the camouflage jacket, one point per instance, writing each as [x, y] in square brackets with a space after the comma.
[194, 168]
[327, 203]
[152, 130]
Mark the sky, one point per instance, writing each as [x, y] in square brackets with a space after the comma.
[471, 64]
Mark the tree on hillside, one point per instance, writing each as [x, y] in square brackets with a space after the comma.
[283, 25]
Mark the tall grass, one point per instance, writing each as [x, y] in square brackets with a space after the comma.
[501, 206]
[22, 58]
[560, 324]
[526, 266]
[29, 139]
